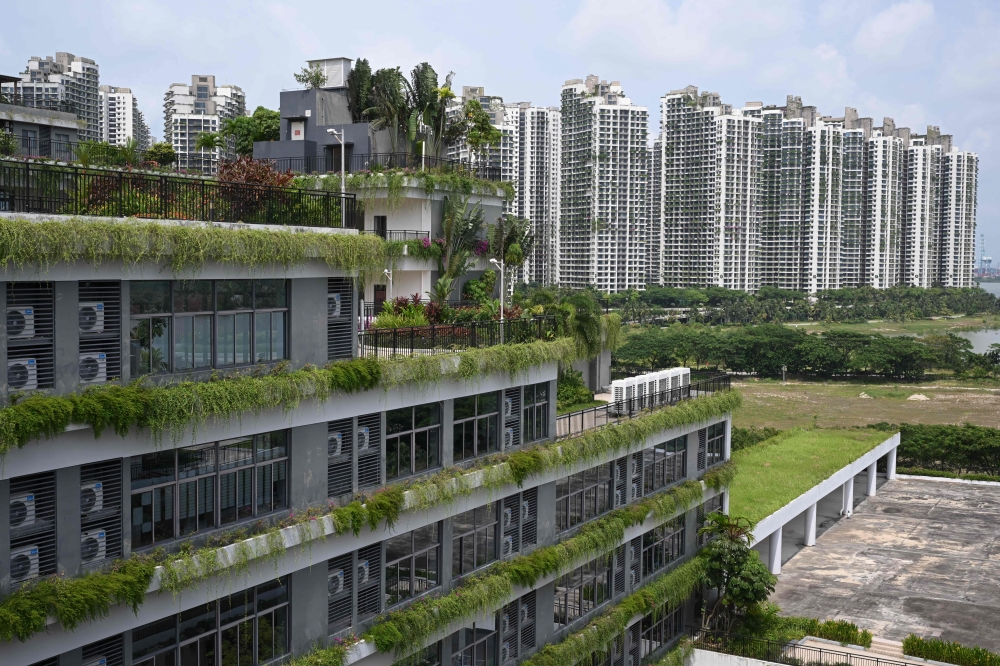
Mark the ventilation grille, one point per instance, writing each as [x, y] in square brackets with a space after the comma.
[340, 318]
[529, 527]
[635, 481]
[101, 510]
[32, 527]
[702, 447]
[512, 420]
[341, 584]
[370, 592]
[635, 567]
[100, 332]
[632, 637]
[370, 460]
[109, 648]
[509, 643]
[30, 333]
[618, 652]
[340, 463]
[527, 619]
[621, 482]
[513, 505]
[619, 570]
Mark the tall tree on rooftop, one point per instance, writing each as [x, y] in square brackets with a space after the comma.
[387, 108]
[422, 99]
[359, 88]
[439, 127]
[311, 77]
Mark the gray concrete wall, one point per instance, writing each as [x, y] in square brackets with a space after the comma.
[307, 328]
[547, 514]
[68, 521]
[67, 337]
[5, 542]
[308, 464]
[308, 608]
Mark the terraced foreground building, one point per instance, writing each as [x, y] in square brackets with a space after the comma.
[201, 476]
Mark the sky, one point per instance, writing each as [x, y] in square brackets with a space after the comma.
[919, 62]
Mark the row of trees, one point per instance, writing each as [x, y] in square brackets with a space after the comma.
[767, 349]
[717, 305]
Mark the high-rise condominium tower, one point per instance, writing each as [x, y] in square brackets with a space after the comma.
[64, 83]
[957, 247]
[602, 236]
[191, 110]
[706, 219]
[884, 215]
[121, 118]
[538, 187]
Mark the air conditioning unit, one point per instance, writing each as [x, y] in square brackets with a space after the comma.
[96, 661]
[635, 491]
[631, 661]
[508, 546]
[333, 306]
[336, 581]
[525, 510]
[362, 572]
[685, 374]
[619, 500]
[93, 368]
[508, 438]
[504, 624]
[618, 473]
[505, 653]
[508, 408]
[24, 563]
[363, 438]
[633, 466]
[508, 518]
[22, 373]
[91, 317]
[335, 444]
[20, 323]
[525, 619]
[91, 497]
[93, 546]
[634, 553]
[633, 579]
[22, 510]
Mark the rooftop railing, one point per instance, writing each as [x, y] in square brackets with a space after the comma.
[32, 102]
[94, 153]
[447, 338]
[321, 164]
[782, 653]
[29, 187]
[618, 411]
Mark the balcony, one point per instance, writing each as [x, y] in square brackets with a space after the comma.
[449, 338]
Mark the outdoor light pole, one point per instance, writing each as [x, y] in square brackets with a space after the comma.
[499, 264]
[339, 136]
[388, 274]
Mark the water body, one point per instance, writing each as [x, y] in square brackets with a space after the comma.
[981, 340]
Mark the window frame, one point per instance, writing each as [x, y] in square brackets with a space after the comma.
[663, 545]
[413, 433]
[491, 419]
[715, 444]
[485, 522]
[535, 413]
[574, 583]
[411, 558]
[660, 460]
[586, 497]
[176, 482]
[470, 653]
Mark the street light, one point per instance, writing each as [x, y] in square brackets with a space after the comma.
[339, 136]
[499, 264]
[388, 274]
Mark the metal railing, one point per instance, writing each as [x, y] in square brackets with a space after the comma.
[623, 410]
[781, 653]
[397, 235]
[29, 187]
[380, 161]
[446, 338]
[94, 153]
[371, 310]
[7, 96]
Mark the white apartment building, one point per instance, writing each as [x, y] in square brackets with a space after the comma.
[191, 110]
[538, 188]
[604, 185]
[121, 119]
[64, 83]
[506, 118]
[959, 186]
[919, 255]
[884, 210]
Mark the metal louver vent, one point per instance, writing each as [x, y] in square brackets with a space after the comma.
[619, 570]
[529, 523]
[30, 334]
[340, 585]
[339, 318]
[110, 649]
[100, 511]
[702, 447]
[369, 456]
[32, 527]
[511, 521]
[369, 565]
[526, 620]
[636, 564]
[100, 332]
[340, 457]
[509, 620]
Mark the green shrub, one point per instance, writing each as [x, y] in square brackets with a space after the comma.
[571, 389]
[951, 653]
[743, 438]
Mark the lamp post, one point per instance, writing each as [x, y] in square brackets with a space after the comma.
[499, 264]
[388, 274]
[339, 136]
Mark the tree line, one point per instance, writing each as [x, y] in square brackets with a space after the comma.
[768, 349]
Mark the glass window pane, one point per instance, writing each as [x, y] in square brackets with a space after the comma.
[159, 349]
[227, 498]
[265, 638]
[151, 468]
[262, 336]
[392, 457]
[236, 606]
[154, 636]
[203, 341]
[427, 415]
[405, 452]
[272, 593]
[226, 341]
[138, 350]
[465, 408]
[184, 343]
[425, 536]
[420, 451]
[244, 493]
[398, 547]
[243, 339]
[487, 403]
[433, 448]
[163, 513]
[264, 483]
[187, 507]
[195, 460]
[142, 519]
[270, 294]
[234, 295]
[193, 296]
[281, 631]
[149, 296]
[399, 420]
[236, 453]
[197, 621]
[271, 445]
[206, 502]
[277, 336]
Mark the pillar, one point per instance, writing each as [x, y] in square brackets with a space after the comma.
[872, 479]
[774, 552]
[890, 464]
[811, 526]
[847, 507]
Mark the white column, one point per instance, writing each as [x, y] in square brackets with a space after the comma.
[811, 525]
[774, 552]
[725, 502]
[872, 478]
[890, 466]
[848, 506]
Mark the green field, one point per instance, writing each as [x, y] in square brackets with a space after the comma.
[773, 473]
[938, 326]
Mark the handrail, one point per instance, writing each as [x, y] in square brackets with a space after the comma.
[780, 653]
[447, 338]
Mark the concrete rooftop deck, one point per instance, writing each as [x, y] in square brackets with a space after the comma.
[920, 557]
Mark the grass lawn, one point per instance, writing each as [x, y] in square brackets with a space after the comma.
[580, 405]
[773, 473]
[916, 327]
[839, 404]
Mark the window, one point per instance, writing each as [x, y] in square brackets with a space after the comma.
[476, 425]
[660, 628]
[413, 440]
[476, 646]
[173, 322]
[411, 564]
[703, 512]
[246, 628]
[662, 545]
[475, 539]
[536, 412]
[711, 445]
[579, 592]
[664, 464]
[195, 488]
[584, 495]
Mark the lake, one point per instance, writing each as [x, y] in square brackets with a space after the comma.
[981, 340]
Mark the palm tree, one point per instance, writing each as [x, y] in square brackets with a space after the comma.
[461, 227]
[421, 92]
[388, 108]
[209, 141]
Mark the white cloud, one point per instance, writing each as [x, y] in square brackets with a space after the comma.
[887, 35]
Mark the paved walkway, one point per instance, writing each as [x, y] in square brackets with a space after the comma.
[921, 557]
